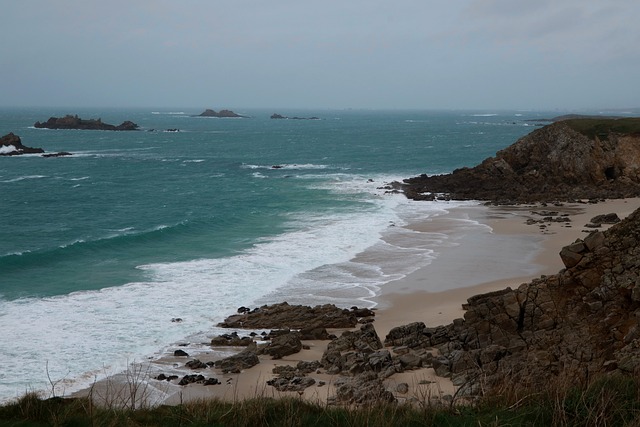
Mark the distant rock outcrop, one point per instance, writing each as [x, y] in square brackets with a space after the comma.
[567, 160]
[74, 122]
[279, 116]
[11, 145]
[221, 114]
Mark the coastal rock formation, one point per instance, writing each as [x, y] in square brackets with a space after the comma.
[283, 345]
[365, 389]
[231, 340]
[285, 316]
[575, 325]
[354, 352]
[74, 122]
[11, 145]
[60, 154]
[243, 360]
[220, 114]
[566, 160]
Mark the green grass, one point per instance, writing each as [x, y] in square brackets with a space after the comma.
[610, 401]
[603, 127]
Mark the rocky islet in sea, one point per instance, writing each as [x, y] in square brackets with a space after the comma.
[75, 122]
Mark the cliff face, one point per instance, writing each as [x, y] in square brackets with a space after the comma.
[556, 162]
[581, 322]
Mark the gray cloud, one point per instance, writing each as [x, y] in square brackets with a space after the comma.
[377, 54]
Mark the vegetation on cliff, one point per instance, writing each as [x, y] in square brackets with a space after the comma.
[602, 128]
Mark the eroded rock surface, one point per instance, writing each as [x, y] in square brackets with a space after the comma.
[285, 316]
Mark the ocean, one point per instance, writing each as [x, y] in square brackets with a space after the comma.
[101, 250]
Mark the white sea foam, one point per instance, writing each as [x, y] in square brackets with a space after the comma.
[484, 115]
[22, 178]
[85, 334]
[6, 149]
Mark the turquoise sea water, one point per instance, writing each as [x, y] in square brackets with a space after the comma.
[99, 250]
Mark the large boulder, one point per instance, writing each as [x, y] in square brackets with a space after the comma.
[283, 345]
[354, 352]
[243, 360]
[364, 389]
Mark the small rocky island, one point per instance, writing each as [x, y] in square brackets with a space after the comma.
[220, 114]
[75, 122]
[11, 145]
[279, 116]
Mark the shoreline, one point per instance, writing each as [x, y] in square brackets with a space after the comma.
[470, 267]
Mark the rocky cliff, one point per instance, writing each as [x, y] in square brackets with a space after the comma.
[567, 160]
[582, 322]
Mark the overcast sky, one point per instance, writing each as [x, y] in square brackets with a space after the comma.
[478, 54]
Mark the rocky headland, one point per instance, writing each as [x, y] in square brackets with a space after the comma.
[566, 160]
[75, 122]
[220, 114]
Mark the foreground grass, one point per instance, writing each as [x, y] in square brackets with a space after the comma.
[613, 401]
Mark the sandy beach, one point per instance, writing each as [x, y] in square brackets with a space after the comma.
[507, 252]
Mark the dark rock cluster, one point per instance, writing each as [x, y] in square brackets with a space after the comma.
[304, 318]
[75, 122]
[11, 145]
[220, 114]
[279, 116]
